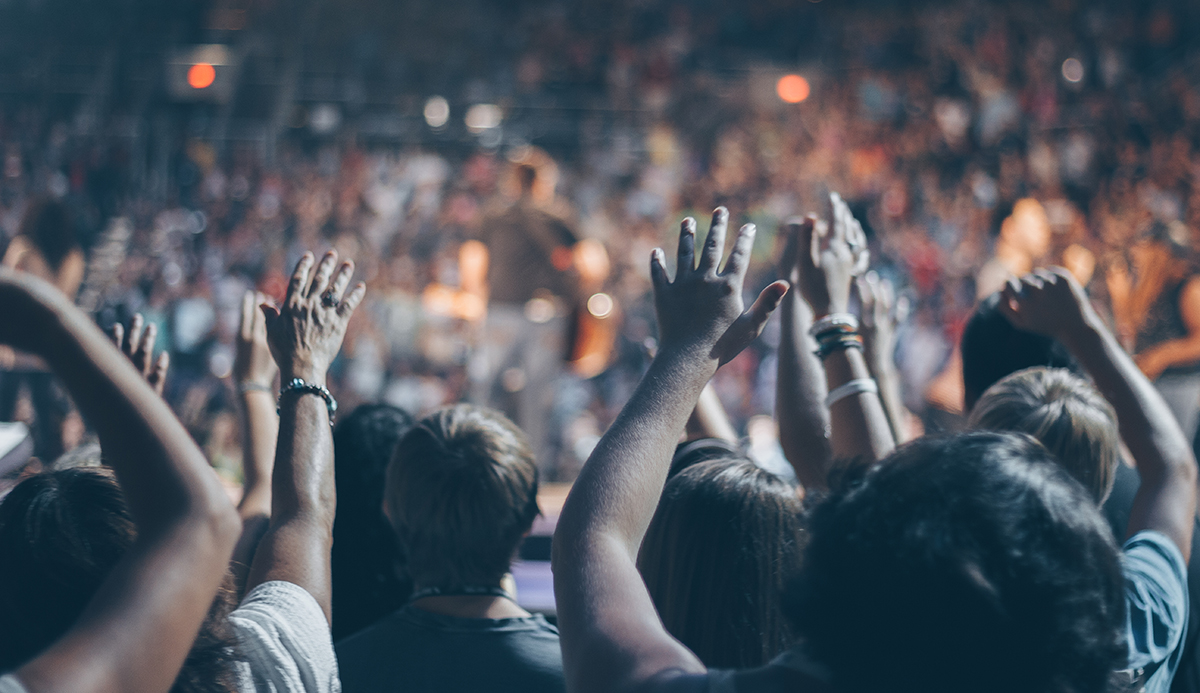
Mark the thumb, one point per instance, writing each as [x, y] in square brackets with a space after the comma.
[270, 313]
[766, 303]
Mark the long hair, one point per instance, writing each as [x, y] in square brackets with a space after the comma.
[61, 534]
[724, 542]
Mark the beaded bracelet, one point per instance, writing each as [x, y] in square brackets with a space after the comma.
[298, 385]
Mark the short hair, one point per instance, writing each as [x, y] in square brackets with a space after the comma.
[973, 562]
[992, 349]
[725, 541]
[1065, 413]
[369, 581]
[461, 494]
[61, 534]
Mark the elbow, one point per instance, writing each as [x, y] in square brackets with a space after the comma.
[215, 517]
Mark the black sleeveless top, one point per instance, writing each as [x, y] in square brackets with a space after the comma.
[1165, 323]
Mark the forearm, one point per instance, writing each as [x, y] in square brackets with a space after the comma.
[260, 430]
[884, 372]
[860, 428]
[800, 396]
[619, 487]
[297, 544]
[1175, 352]
[709, 419]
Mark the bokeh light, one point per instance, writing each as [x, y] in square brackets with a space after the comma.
[437, 111]
[201, 76]
[1072, 70]
[792, 88]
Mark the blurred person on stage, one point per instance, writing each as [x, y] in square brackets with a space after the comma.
[1157, 306]
[538, 272]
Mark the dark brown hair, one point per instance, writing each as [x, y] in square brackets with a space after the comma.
[48, 225]
[724, 542]
[461, 493]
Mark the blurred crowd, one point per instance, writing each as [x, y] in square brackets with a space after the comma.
[934, 122]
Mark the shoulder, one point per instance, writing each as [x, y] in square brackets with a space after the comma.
[10, 684]
[284, 640]
[1156, 596]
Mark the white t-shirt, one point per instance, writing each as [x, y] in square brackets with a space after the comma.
[283, 641]
[284, 644]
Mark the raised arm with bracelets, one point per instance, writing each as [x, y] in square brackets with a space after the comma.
[859, 427]
[1052, 303]
[305, 335]
[137, 630]
[612, 638]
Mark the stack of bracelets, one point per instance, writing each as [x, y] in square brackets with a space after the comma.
[836, 332]
[839, 332]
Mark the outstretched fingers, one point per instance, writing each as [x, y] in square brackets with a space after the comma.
[341, 280]
[739, 257]
[714, 243]
[686, 261]
[299, 279]
[320, 280]
[658, 269]
[346, 308]
[749, 324]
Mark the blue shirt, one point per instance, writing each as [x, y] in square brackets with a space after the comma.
[1156, 600]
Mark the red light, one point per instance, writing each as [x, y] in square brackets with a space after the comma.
[792, 88]
[201, 75]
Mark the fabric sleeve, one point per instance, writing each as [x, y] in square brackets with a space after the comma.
[1156, 597]
[10, 684]
[285, 642]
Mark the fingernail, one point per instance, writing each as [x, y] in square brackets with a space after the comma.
[720, 212]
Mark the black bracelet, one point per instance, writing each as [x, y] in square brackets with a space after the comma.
[828, 346]
[298, 385]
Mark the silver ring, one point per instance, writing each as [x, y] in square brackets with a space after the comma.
[328, 300]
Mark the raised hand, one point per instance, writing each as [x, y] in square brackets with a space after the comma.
[252, 364]
[1048, 302]
[306, 333]
[880, 313]
[827, 256]
[702, 309]
[137, 343]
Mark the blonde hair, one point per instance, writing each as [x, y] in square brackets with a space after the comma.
[1065, 413]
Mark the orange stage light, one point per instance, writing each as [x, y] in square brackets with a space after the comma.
[792, 88]
[201, 75]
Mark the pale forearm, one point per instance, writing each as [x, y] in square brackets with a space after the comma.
[860, 428]
[888, 379]
[1176, 352]
[800, 396]
[260, 430]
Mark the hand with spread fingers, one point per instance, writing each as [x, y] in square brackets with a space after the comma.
[828, 256]
[253, 365]
[306, 332]
[702, 307]
[137, 343]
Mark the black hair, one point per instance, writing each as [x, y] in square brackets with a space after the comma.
[369, 581]
[61, 534]
[993, 349]
[972, 562]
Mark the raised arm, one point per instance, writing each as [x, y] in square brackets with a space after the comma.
[612, 638]
[1052, 303]
[137, 343]
[138, 628]
[305, 335]
[879, 345]
[800, 383]
[1176, 352]
[254, 374]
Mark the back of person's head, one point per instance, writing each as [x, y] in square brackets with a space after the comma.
[992, 349]
[368, 577]
[725, 541]
[971, 563]
[461, 494]
[48, 224]
[1065, 413]
[61, 534]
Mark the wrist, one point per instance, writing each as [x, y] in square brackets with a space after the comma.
[309, 374]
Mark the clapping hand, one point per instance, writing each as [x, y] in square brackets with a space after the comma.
[825, 257]
[702, 309]
[137, 343]
[306, 332]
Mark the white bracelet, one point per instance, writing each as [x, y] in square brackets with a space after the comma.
[834, 322]
[854, 387]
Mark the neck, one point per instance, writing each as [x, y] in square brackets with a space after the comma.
[471, 606]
